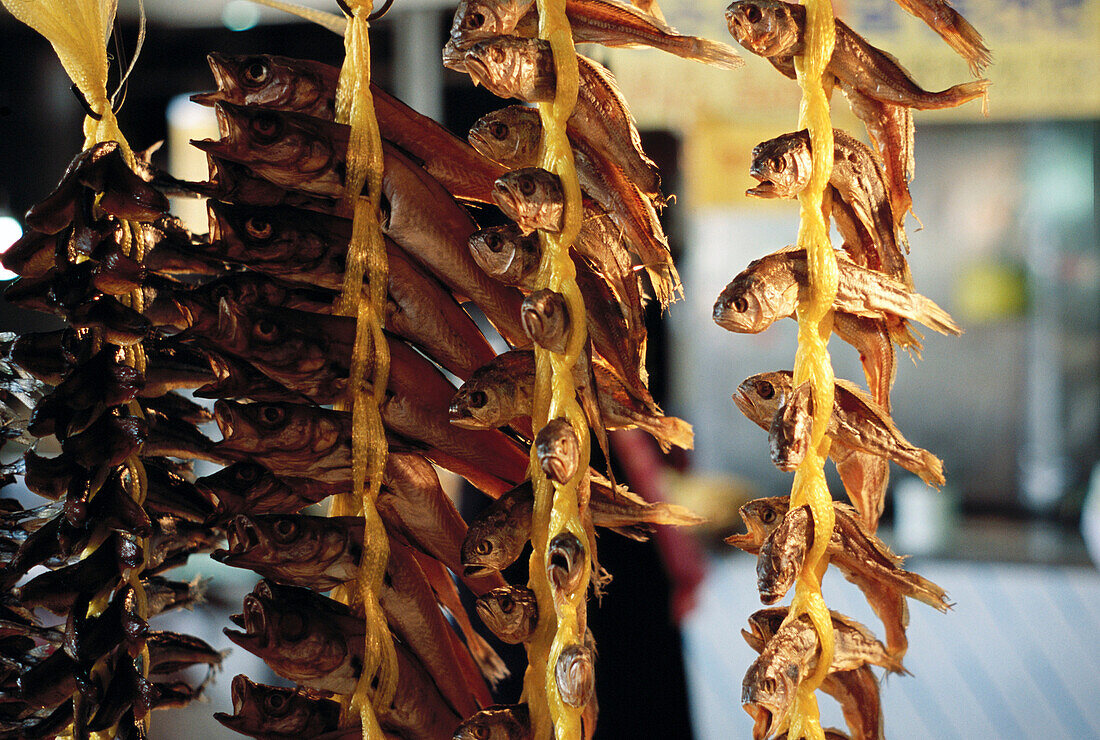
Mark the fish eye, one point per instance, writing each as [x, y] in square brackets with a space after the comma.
[493, 242]
[498, 130]
[484, 547]
[267, 330]
[527, 186]
[496, 54]
[272, 414]
[752, 14]
[480, 732]
[276, 704]
[768, 516]
[776, 163]
[768, 685]
[266, 128]
[247, 473]
[478, 399]
[292, 626]
[258, 229]
[507, 604]
[740, 304]
[765, 389]
[255, 74]
[285, 530]
[474, 21]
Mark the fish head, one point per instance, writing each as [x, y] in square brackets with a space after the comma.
[764, 623]
[759, 396]
[761, 517]
[532, 197]
[504, 253]
[509, 66]
[257, 427]
[269, 235]
[782, 166]
[510, 136]
[496, 723]
[767, 692]
[575, 675]
[566, 562]
[277, 710]
[743, 305]
[481, 402]
[768, 28]
[510, 612]
[269, 81]
[267, 337]
[558, 450]
[495, 539]
[274, 540]
[545, 317]
[480, 19]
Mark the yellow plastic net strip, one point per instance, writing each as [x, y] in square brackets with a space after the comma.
[78, 31]
[370, 366]
[558, 508]
[812, 363]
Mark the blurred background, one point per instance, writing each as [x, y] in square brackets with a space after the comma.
[1006, 241]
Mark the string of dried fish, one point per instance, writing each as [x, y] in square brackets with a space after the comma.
[559, 507]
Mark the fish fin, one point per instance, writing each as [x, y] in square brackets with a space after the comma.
[639, 532]
[968, 91]
[670, 431]
[931, 469]
[709, 52]
[934, 317]
[929, 593]
[330, 21]
[965, 39]
[905, 336]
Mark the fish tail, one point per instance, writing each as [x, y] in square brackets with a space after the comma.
[967, 91]
[934, 317]
[931, 470]
[905, 336]
[488, 662]
[965, 39]
[672, 515]
[929, 593]
[706, 51]
[669, 431]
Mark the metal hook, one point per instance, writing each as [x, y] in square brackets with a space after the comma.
[84, 104]
[379, 13]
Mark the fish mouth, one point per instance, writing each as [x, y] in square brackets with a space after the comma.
[473, 66]
[765, 189]
[224, 417]
[222, 79]
[743, 399]
[255, 621]
[460, 416]
[241, 692]
[762, 721]
[454, 56]
[475, 570]
[242, 535]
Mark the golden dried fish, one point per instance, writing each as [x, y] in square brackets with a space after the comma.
[510, 612]
[857, 422]
[854, 645]
[952, 28]
[789, 434]
[248, 487]
[263, 711]
[575, 673]
[558, 450]
[545, 317]
[500, 393]
[873, 235]
[605, 22]
[566, 563]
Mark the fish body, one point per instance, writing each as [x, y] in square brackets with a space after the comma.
[510, 612]
[857, 422]
[853, 644]
[302, 636]
[249, 487]
[173, 651]
[314, 552]
[858, 181]
[775, 30]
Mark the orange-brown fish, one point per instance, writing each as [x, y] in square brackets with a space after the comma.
[605, 22]
[510, 612]
[260, 710]
[954, 29]
[305, 86]
[498, 722]
[857, 422]
[501, 392]
[575, 673]
[871, 230]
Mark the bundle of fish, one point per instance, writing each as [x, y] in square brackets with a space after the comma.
[122, 508]
[867, 198]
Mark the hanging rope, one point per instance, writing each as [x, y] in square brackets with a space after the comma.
[558, 508]
[812, 363]
[370, 365]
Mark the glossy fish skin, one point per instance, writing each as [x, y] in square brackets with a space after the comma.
[315, 552]
[558, 450]
[510, 612]
[774, 29]
[510, 136]
[261, 711]
[532, 197]
[495, 539]
[545, 317]
[305, 86]
[498, 722]
[857, 180]
[591, 21]
[575, 673]
[304, 637]
[892, 132]
[566, 563]
[857, 422]
[862, 558]
[301, 246]
[247, 487]
[500, 393]
[506, 254]
[174, 651]
[789, 434]
[510, 67]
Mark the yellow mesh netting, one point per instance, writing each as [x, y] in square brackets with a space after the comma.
[558, 508]
[370, 365]
[812, 363]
